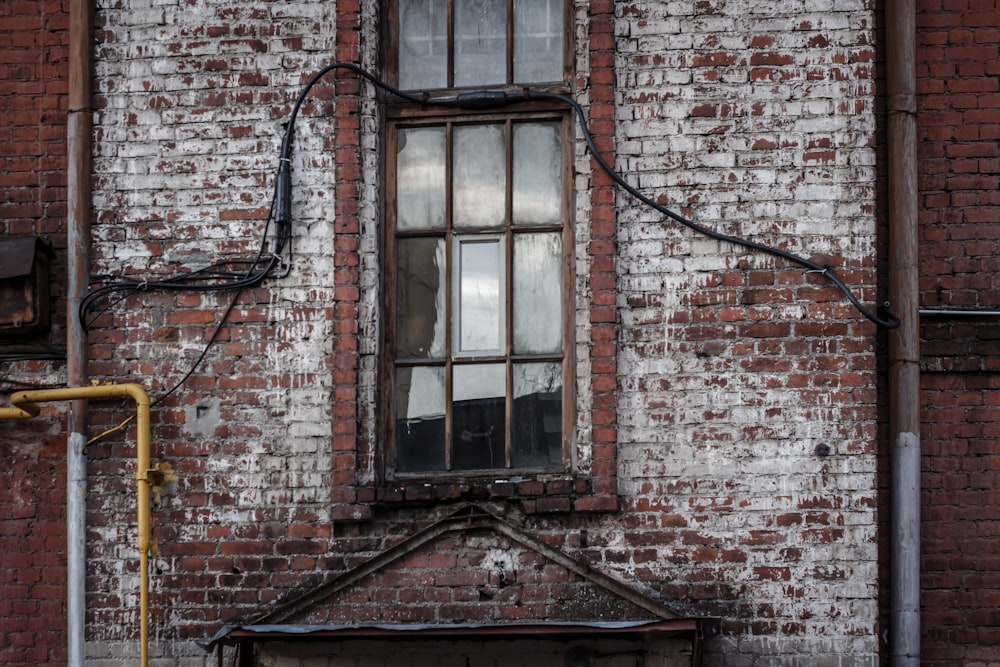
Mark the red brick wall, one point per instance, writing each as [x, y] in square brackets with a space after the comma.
[727, 400]
[601, 256]
[958, 69]
[33, 71]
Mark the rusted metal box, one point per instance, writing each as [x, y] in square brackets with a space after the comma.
[24, 285]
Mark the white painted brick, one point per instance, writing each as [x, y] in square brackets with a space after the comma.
[668, 381]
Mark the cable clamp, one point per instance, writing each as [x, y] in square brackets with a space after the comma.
[286, 266]
[143, 286]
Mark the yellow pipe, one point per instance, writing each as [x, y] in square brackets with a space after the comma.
[25, 407]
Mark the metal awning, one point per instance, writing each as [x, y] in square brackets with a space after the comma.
[244, 636]
[635, 629]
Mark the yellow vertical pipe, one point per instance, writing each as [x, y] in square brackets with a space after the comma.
[25, 407]
[144, 515]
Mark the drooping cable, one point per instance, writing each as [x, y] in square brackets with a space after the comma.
[204, 351]
[489, 99]
[890, 321]
[223, 276]
[177, 385]
[497, 99]
[218, 277]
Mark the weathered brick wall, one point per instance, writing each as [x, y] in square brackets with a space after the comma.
[747, 396]
[192, 100]
[958, 69]
[736, 392]
[32, 456]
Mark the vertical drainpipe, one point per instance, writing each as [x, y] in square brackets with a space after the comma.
[79, 127]
[904, 342]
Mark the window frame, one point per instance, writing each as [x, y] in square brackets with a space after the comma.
[412, 118]
[392, 40]
[405, 114]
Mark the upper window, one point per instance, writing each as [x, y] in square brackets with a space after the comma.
[477, 369]
[477, 43]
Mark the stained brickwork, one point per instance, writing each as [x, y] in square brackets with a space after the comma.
[454, 577]
[725, 422]
[33, 202]
[958, 70]
[747, 397]
[192, 104]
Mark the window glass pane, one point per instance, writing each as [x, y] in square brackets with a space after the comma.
[537, 173]
[480, 42]
[420, 403]
[420, 182]
[537, 274]
[478, 420]
[479, 282]
[537, 419]
[538, 35]
[423, 44]
[480, 179]
[420, 298]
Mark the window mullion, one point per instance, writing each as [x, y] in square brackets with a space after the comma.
[390, 374]
[510, 41]
[450, 67]
[509, 290]
[569, 288]
[449, 238]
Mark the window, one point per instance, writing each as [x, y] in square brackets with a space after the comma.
[478, 43]
[477, 372]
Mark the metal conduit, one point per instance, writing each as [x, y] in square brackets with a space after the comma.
[79, 131]
[904, 341]
[932, 312]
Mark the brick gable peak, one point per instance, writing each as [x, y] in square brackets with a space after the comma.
[471, 572]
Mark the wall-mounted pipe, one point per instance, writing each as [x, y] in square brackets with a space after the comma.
[946, 312]
[904, 341]
[25, 406]
[79, 201]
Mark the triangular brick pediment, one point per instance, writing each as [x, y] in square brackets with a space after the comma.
[470, 568]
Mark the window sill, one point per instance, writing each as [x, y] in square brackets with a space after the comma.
[535, 496]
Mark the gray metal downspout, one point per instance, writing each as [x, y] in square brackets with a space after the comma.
[79, 129]
[904, 342]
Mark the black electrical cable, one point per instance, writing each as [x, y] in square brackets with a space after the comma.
[213, 278]
[491, 99]
[204, 351]
[889, 322]
[216, 277]
[221, 276]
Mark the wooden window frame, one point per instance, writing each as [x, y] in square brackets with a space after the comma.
[402, 114]
[392, 46]
[451, 237]
[591, 485]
